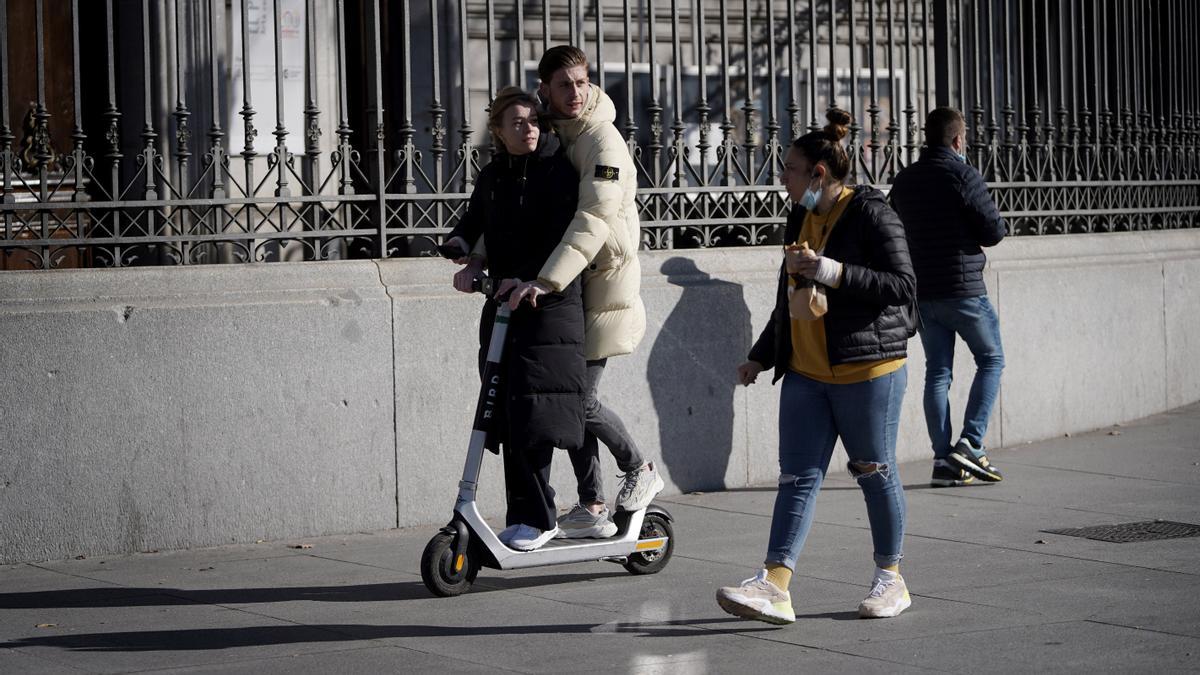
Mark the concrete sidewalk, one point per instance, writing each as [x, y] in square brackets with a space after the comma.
[991, 591]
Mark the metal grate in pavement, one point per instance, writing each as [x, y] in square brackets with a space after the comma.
[1124, 533]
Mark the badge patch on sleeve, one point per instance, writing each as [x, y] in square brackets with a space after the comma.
[607, 172]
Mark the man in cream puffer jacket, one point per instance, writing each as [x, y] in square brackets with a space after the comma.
[601, 244]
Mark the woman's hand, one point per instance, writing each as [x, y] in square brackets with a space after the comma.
[804, 261]
[522, 290]
[461, 244]
[800, 260]
[748, 372]
[464, 277]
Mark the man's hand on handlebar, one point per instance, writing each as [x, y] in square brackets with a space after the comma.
[522, 290]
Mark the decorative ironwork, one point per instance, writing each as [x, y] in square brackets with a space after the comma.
[36, 148]
[1083, 116]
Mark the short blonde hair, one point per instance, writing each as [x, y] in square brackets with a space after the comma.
[507, 98]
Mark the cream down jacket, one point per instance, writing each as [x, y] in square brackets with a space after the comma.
[601, 242]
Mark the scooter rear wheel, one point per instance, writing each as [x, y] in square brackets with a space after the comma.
[649, 562]
[443, 574]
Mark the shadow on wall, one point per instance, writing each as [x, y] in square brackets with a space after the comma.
[692, 371]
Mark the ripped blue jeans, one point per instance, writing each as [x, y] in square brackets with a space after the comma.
[812, 416]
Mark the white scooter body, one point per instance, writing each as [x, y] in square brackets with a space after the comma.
[626, 542]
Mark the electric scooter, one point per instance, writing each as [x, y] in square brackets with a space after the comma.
[643, 543]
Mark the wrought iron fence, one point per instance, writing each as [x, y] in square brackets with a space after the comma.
[191, 131]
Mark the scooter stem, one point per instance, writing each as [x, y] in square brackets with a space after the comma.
[485, 408]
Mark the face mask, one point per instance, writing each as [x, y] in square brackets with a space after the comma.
[809, 199]
[961, 157]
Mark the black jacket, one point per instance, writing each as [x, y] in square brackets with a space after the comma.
[949, 216]
[521, 206]
[871, 314]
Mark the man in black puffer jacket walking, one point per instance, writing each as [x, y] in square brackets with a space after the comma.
[949, 217]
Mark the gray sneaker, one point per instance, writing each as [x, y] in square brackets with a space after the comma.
[639, 487]
[579, 523]
[972, 460]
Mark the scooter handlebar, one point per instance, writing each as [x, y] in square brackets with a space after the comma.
[485, 285]
[490, 288]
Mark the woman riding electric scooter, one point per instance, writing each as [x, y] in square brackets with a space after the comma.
[524, 200]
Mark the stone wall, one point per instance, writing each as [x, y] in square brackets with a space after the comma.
[157, 408]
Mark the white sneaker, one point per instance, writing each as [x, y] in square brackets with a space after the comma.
[580, 523]
[888, 596]
[507, 533]
[758, 599]
[529, 538]
[639, 487]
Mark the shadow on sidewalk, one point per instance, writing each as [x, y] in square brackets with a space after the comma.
[227, 638]
[133, 596]
[836, 616]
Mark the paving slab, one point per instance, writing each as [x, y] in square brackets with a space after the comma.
[1069, 646]
[350, 660]
[13, 661]
[1144, 599]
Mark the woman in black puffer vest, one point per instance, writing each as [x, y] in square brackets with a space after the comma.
[837, 337]
[522, 203]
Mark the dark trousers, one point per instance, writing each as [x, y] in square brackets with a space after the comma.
[527, 487]
[600, 424]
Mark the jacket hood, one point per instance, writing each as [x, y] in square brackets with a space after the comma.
[599, 109]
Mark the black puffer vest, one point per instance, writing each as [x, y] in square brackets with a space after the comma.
[527, 202]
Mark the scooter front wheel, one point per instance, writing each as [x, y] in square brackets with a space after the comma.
[651, 561]
[443, 572]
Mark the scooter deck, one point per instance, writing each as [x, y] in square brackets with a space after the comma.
[557, 551]
[622, 521]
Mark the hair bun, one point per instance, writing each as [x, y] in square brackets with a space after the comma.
[839, 123]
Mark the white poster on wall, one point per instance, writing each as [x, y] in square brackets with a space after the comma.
[260, 73]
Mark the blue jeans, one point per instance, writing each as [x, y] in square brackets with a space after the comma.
[976, 321]
[812, 415]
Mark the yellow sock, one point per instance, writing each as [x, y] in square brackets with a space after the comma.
[892, 568]
[779, 575]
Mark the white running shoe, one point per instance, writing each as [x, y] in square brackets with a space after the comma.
[639, 487]
[529, 538]
[580, 523]
[507, 534]
[888, 596]
[758, 599]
